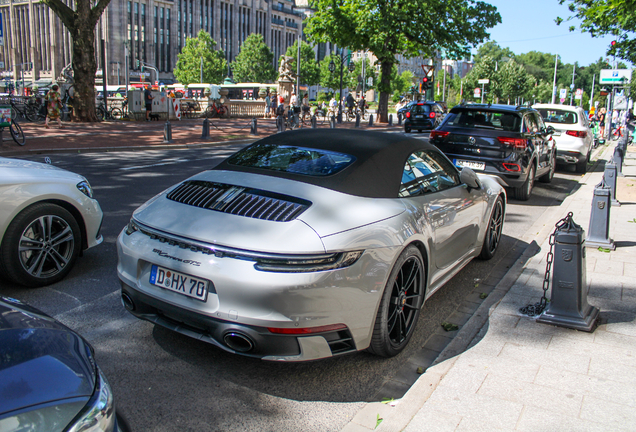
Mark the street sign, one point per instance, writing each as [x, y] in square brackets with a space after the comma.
[563, 93]
[615, 76]
[578, 94]
[483, 81]
[562, 100]
[477, 92]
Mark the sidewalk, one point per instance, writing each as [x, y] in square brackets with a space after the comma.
[506, 372]
[131, 135]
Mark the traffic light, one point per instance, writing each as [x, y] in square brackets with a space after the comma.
[425, 84]
[137, 63]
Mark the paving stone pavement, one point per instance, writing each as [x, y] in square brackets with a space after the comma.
[511, 373]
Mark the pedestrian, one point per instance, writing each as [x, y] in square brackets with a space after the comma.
[268, 101]
[148, 100]
[53, 106]
[305, 105]
[601, 121]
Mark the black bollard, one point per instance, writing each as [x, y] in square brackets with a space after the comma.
[332, 122]
[254, 127]
[399, 114]
[313, 122]
[370, 120]
[167, 132]
[339, 118]
[568, 305]
[609, 178]
[357, 120]
[280, 124]
[390, 119]
[617, 157]
[598, 233]
[205, 133]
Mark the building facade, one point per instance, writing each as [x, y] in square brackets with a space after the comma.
[38, 48]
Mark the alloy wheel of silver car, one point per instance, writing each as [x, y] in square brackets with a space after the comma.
[493, 235]
[400, 305]
[41, 245]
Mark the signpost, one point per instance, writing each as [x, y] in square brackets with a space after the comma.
[615, 76]
[483, 82]
[579, 94]
[477, 92]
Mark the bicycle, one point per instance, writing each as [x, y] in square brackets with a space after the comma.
[28, 110]
[120, 113]
[215, 110]
[305, 116]
[15, 129]
[289, 121]
[191, 108]
[102, 114]
[321, 116]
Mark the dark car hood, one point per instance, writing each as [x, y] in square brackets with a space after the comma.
[41, 360]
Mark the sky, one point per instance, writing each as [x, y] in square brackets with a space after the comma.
[528, 25]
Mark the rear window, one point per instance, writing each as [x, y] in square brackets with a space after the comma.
[559, 116]
[292, 159]
[485, 120]
[420, 109]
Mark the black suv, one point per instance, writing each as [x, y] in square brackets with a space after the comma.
[508, 141]
[423, 115]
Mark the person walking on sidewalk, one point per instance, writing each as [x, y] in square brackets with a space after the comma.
[53, 106]
[148, 99]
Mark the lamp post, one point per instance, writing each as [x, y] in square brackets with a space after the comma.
[332, 68]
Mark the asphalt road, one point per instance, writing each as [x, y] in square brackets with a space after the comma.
[167, 382]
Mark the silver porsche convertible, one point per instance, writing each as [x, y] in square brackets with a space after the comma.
[308, 244]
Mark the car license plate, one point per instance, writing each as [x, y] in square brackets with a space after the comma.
[470, 164]
[179, 282]
[419, 116]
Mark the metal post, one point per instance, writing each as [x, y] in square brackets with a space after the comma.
[254, 127]
[598, 235]
[313, 122]
[104, 76]
[332, 123]
[617, 157]
[370, 120]
[390, 119]
[357, 120]
[556, 62]
[205, 132]
[568, 305]
[609, 179]
[399, 116]
[167, 132]
[200, 72]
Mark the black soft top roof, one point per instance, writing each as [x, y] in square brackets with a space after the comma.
[376, 172]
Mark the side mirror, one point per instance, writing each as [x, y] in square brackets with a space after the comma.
[549, 131]
[469, 178]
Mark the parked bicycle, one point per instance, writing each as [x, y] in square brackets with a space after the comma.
[190, 109]
[121, 113]
[15, 129]
[289, 120]
[103, 114]
[27, 109]
[213, 110]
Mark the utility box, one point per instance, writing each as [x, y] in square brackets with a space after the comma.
[137, 105]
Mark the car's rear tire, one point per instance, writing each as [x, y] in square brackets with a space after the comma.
[524, 191]
[547, 177]
[407, 129]
[400, 305]
[493, 232]
[40, 245]
[581, 167]
[419, 130]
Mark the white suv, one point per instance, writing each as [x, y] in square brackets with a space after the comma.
[572, 135]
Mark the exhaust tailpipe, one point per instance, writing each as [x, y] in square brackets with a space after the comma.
[238, 342]
[127, 301]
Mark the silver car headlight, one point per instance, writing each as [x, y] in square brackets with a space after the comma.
[85, 188]
[99, 413]
[307, 263]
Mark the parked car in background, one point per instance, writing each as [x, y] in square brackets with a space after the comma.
[510, 142]
[49, 379]
[423, 115]
[47, 217]
[572, 133]
[308, 244]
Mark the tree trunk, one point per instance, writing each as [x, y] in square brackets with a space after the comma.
[385, 90]
[84, 65]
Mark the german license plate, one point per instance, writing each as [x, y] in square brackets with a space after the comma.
[419, 116]
[179, 282]
[470, 164]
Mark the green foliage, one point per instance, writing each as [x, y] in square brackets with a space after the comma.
[494, 51]
[607, 17]
[401, 84]
[332, 80]
[309, 69]
[355, 78]
[254, 63]
[410, 28]
[187, 69]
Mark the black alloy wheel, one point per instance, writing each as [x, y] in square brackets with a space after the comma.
[523, 192]
[547, 178]
[40, 245]
[493, 232]
[400, 305]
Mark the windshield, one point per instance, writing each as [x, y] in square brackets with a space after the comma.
[485, 119]
[559, 116]
[292, 159]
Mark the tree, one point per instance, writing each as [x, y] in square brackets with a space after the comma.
[607, 17]
[402, 83]
[355, 78]
[513, 82]
[254, 61]
[309, 68]
[188, 67]
[485, 69]
[81, 24]
[410, 28]
[493, 50]
[332, 79]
